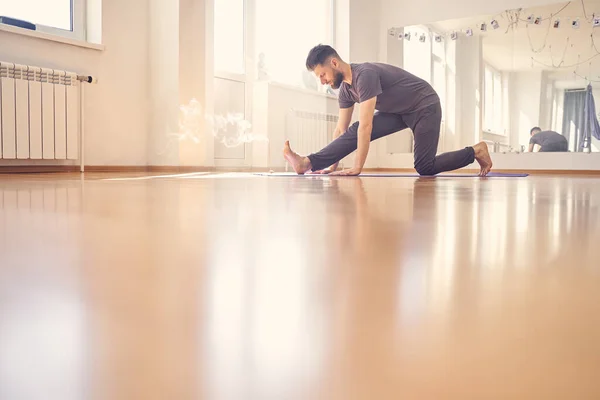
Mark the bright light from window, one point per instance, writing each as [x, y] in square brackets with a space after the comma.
[229, 36]
[285, 33]
[417, 54]
[498, 103]
[53, 13]
[493, 108]
[489, 99]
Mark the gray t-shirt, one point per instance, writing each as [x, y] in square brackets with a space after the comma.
[398, 91]
[547, 137]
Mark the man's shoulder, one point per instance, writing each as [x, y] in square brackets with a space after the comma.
[365, 72]
[375, 66]
[360, 68]
[374, 70]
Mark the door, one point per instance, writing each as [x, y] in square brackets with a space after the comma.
[231, 83]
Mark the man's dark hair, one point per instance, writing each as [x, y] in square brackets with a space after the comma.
[535, 128]
[318, 55]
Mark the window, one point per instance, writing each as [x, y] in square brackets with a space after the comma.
[417, 52]
[229, 37]
[493, 107]
[285, 33]
[59, 17]
[438, 73]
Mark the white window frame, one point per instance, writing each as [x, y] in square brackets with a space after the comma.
[248, 14]
[496, 130]
[250, 39]
[78, 23]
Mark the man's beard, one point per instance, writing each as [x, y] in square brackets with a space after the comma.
[337, 80]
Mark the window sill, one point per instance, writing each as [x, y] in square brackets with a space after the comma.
[489, 132]
[300, 89]
[47, 36]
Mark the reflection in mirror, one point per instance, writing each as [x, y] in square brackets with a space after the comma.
[522, 80]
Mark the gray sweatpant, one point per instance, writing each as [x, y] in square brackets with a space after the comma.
[425, 125]
[555, 147]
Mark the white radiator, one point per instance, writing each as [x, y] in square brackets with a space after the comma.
[309, 131]
[40, 113]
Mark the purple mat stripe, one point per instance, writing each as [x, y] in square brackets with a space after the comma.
[389, 175]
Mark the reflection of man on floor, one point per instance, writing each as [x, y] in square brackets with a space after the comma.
[547, 140]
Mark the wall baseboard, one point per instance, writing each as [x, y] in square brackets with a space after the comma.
[37, 169]
[178, 169]
[116, 168]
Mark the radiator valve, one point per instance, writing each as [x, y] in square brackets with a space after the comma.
[87, 78]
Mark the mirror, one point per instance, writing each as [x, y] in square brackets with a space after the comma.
[499, 76]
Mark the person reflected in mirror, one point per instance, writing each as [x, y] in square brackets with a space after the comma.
[548, 141]
[391, 100]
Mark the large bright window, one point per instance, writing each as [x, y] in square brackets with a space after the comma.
[285, 33]
[230, 36]
[438, 73]
[61, 17]
[493, 107]
[418, 52]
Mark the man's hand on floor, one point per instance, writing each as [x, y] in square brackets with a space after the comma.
[321, 172]
[348, 172]
[325, 171]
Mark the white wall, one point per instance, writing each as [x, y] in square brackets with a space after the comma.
[364, 32]
[153, 61]
[163, 96]
[116, 109]
[180, 69]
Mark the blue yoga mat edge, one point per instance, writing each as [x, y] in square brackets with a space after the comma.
[406, 175]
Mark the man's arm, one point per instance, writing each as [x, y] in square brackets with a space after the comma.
[368, 86]
[365, 126]
[342, 126]
[532, 143]
[344, 119]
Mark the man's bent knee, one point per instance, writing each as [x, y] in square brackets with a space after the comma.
[425, 169]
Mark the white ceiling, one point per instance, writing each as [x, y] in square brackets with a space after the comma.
[512, 49]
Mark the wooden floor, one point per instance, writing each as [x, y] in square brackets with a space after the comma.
[235, 286]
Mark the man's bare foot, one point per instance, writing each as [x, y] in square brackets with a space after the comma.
[299, 164]
[482, 156]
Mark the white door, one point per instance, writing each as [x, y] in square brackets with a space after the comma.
[231, 83]
[230, 102]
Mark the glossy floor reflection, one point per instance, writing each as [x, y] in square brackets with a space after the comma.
[234, 286]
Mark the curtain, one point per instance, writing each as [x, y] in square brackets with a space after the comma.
[592, 126]
[574, 119]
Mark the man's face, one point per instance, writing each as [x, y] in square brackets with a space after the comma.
[329, 74]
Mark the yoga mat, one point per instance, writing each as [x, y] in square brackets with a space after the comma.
[404, 175]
